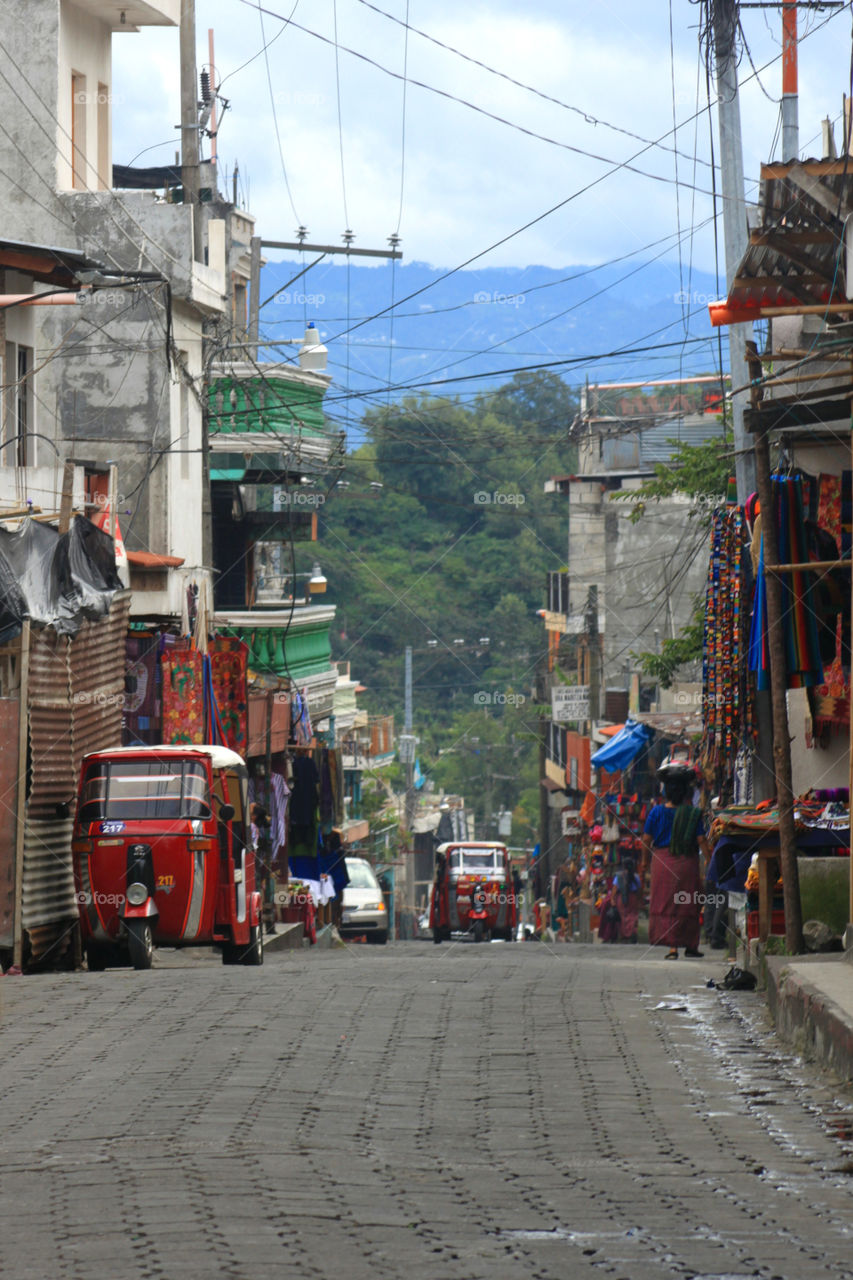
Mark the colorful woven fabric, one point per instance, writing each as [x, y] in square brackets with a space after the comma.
[228, 664]
[831, 701]
[829, 506]
[799, 617]
[183, 697]
[727, 704]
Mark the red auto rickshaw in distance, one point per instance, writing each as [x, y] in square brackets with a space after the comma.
[473, 892]
[161, 857]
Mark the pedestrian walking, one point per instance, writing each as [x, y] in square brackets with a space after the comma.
[674, 839]
[627, 888]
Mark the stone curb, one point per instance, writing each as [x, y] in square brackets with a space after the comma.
[807, 1019]
[287, 937]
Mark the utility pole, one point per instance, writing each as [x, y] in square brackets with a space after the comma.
[190, 177]
[778, 695]
[734, 224]
[594, 657]
[254, 296]
[410, 774]
[736, 237]
[790, 123]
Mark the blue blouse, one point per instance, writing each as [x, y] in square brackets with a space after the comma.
[659, 825]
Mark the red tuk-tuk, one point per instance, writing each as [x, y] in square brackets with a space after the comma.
[473, 892]
[160, 855]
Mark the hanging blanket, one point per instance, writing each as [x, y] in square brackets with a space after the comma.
[141, 710]
[228, 663]
[183, 697]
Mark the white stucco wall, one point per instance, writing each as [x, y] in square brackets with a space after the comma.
[85, 49]
[815, 766]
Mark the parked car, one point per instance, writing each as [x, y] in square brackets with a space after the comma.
[364, 912]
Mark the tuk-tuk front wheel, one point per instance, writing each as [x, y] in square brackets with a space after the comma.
[140, 943]
[479, 931]
[436, 935]
[254, 953]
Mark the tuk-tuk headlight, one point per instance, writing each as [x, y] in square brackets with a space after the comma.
[137, 894]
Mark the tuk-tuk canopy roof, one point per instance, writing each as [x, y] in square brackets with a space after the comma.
[470, 844]
[220, 757]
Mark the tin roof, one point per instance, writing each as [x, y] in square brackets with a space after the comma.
[52, 264]
[794, 255]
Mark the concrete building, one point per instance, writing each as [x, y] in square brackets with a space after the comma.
[153, 372]
[628, 585]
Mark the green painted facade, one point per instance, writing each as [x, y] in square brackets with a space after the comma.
[303, 651]
[237, 405]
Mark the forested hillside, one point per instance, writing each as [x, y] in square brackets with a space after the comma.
[439, 537]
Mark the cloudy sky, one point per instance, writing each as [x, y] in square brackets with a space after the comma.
[469, 180]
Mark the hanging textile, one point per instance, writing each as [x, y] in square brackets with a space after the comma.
[727, 703]
[759, 651]
[141, 706]
[301, 730]
[830, 701]
[183, 696]
[846, 537]
[829, 506]
[799, 617]
[228, 663]
[279, 798]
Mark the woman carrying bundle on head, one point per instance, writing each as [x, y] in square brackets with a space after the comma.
[674, 839]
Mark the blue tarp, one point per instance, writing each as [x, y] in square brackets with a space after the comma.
[624, 747]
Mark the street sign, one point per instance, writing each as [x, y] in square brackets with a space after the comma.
[406, 748]
[570, 702]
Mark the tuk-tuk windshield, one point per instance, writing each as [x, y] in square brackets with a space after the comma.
[140, 790]
[477, 861]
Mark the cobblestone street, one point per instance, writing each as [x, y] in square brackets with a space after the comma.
[413, 1111]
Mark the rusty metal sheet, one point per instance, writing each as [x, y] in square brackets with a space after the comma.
[9, 718]
[48, 883]
[75, 706]
[52, 776]
[97, 662]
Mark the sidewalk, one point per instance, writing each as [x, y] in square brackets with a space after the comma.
[811, 1002]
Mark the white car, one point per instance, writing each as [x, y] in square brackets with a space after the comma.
[364, 913]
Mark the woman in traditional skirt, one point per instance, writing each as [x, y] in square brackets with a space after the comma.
[627, 889]
[674, 838]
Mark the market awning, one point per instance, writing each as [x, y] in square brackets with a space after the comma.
[624, 747]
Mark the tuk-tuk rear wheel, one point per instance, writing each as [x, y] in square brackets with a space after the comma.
[140, 943]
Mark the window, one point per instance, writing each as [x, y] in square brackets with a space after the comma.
[481, 861]
[361, 875]
[18, 407]
[556, 744]
[78, 131]
[558, 592]
[240, 313]
[140, 790]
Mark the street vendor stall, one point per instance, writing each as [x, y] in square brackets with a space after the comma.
[744, 836]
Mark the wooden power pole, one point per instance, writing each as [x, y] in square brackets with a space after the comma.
[190, 156]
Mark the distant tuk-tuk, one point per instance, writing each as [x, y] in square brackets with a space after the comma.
[473, 892]
[161, 855]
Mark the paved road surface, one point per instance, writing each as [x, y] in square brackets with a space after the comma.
[413, 1111]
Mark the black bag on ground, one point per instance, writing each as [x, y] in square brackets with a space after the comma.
[738, 979]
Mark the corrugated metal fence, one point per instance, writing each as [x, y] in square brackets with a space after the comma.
[76, 690]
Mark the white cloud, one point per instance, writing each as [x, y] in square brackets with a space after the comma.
[469, 181]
